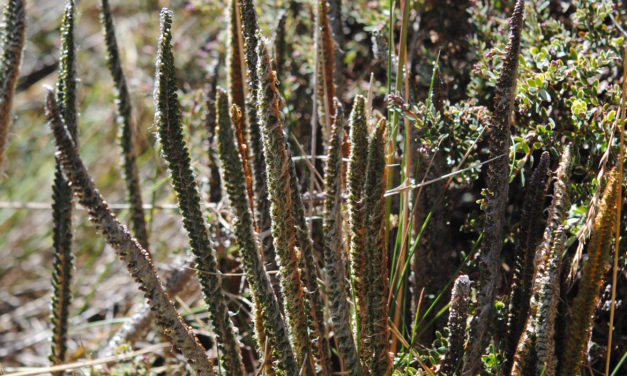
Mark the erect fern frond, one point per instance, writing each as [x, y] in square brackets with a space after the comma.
[233, 173]
[528, 238]
[127, 131]
[235, 54]
[262, 204]
[63, 263]
[168, 123]
[309, 274]
[12, 33]
[278, 41]
[458, 313]
[497, 184]
[137, 260]
[327, 56]
[580, 321]
[209, 93]
[356, 173]
[376, 330]
[277, 167]
[334, 263]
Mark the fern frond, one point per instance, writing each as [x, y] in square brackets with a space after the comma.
[497, 185]
[309, 275]
[277, 167]
[580, 321]
[234, 178]
[209, 94]
[262, 203]
[63, 263]
[334, 263]
[168, 123]
[127, 131]
[528, 238]
[535, 352]
[356, 174]
[12, 33]
[137, 259]
[458, 313]
[376, 330]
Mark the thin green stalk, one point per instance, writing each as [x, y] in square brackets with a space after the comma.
[168, 123]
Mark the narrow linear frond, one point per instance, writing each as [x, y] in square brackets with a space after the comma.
[13, 30]
[528, 238]
[376, 332]
[168, 123]
[497, 185]
[580, 321]
[277, 168]
[458, 313]
[127, 132]
[334, 263]
[265, 300]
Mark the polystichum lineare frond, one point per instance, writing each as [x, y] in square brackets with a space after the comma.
[376, 332]
[355, 177]
[309, 274]
[262, 204]
[580, 321]
[277, 168]
[458, 313]
[137, 259]
[63, 263]
[527, 240]
[13, 29]
[168, 122]
[127, 131]
[497, 185]
[234, 178]
[334, 263]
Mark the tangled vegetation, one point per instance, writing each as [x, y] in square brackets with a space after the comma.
[418, 187]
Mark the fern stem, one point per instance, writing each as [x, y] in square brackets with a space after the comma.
[233, 173]
[137, 259]
[168, 122]
[127, 132]
[12, 33]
